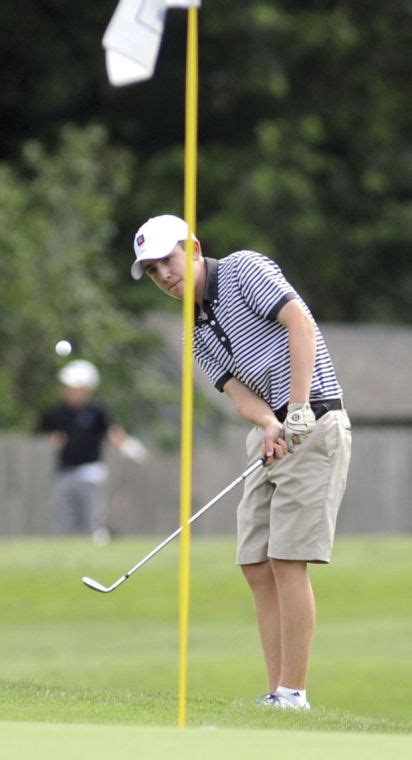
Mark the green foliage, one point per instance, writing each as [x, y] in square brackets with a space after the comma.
[303, 150]
[57, 277]
[304, 154]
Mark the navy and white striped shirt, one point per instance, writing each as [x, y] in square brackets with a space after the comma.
[241, 336]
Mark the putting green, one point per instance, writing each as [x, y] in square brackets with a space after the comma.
[82, 742]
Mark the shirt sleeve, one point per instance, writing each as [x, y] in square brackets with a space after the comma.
[263, 285]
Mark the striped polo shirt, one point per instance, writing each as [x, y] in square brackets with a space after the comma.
[241, 336]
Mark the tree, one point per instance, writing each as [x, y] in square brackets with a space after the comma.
[304, 134]
[304, 151]
[61, 271]
[57, 279]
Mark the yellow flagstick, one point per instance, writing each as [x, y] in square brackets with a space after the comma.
[187, 373]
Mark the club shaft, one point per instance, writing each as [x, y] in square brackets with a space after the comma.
[194, 517]
[96, 586]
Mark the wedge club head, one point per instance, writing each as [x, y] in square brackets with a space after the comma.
[96, 586]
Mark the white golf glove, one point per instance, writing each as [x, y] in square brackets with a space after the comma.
[134, 449]
[299, 423]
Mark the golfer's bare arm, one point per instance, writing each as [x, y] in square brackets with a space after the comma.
[256, 411]
[302, 346]
[116, 435]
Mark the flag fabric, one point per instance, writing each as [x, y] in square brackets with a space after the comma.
[133, 36]
[132, 40]
[183, 3]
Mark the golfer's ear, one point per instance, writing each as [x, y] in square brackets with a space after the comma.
[197, 250]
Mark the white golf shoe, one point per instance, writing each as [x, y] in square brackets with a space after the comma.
[280, 702]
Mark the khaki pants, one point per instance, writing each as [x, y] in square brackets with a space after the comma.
[80, 505]
[289, 510]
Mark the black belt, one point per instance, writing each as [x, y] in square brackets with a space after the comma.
[319, 408]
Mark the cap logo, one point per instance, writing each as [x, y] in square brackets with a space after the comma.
[140, 240]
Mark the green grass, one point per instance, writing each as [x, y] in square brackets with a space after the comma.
[70, 655]
[81, 742]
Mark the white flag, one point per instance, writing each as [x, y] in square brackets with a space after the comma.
[132, 40]
[183, 3]
[133, 36]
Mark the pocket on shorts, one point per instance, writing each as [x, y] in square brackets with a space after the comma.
[346, 420]
[336, 430]
[253, 443]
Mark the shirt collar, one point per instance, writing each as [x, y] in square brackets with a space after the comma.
[210, 289]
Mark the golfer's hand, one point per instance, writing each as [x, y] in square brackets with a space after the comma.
[273, 446]
[134, 449]
[299, 423]
[57, 439]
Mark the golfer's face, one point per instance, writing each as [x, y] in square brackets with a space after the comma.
[168, 273]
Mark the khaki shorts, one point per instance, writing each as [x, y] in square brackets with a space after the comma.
[289, 510]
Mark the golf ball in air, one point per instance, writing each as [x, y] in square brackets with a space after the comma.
[63, 348]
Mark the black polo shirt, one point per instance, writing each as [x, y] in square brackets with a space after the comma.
[85, 429]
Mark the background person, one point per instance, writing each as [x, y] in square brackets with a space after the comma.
[78, 426]
[256, 339]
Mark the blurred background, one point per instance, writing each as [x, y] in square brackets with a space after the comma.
[304, 113]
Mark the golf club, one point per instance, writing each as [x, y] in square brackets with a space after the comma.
[96, 586]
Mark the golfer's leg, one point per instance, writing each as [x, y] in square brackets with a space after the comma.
[64, 503]
[262, 583]
[297, 620]
[95, 511]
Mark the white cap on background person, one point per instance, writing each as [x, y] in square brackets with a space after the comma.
[156, 238]
[79, 374]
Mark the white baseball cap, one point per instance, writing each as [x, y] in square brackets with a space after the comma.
[79, 374]
[156, 238]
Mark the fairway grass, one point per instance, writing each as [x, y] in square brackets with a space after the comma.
[69, 742]
[69, 655]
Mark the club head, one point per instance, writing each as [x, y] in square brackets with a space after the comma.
[95, 585]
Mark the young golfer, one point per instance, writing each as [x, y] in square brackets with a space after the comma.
[78, 426]
[257, 341]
